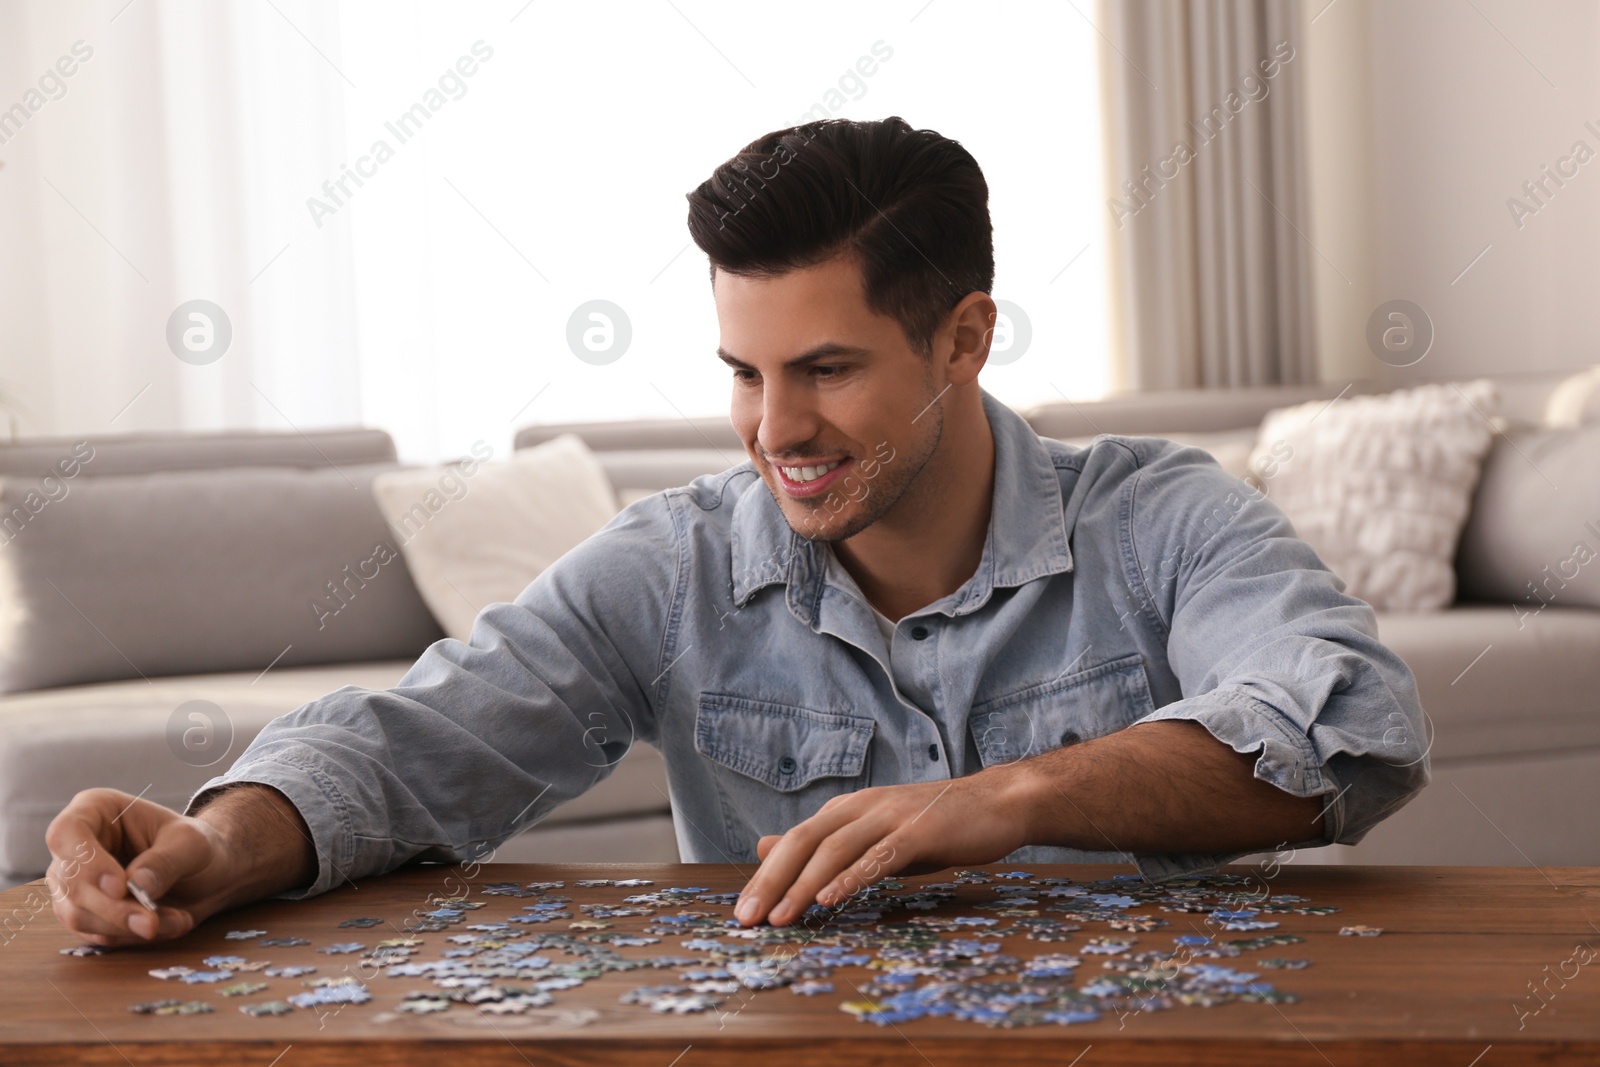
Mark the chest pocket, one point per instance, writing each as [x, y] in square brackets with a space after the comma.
[1076, 707]
[782, 746]
[780, 763]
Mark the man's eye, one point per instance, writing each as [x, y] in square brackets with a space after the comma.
[827, 372]
[741, 375]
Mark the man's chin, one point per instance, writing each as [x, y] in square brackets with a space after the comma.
[820, 518]
[812, 525]
[815, 522]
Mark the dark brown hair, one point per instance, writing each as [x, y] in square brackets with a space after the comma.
[909, 205]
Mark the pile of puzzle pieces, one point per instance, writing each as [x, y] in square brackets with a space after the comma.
[914, 951]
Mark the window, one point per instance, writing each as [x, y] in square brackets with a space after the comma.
[554, 174]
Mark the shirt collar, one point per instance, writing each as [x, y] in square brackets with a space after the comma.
[1027, 537]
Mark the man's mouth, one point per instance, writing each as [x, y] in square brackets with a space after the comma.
[812, 478]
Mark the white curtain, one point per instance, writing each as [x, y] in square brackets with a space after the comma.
[152, 175]
[1206, 187]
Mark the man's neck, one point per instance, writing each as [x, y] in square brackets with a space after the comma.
[930, 543]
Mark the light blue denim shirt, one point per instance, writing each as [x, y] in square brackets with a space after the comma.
[1125, 581]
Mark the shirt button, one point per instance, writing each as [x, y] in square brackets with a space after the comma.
[918, 633]
[786, 765]
[933, 752]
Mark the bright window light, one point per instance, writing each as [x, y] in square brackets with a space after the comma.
[554, 173]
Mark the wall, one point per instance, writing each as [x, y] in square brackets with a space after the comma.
[1425, 118]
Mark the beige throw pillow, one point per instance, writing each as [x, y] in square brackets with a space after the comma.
[475, 534]
[1380, 485]
[1575, 401]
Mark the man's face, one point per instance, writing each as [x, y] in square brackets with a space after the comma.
[833, 406]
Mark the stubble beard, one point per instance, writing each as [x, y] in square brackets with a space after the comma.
[894, 479]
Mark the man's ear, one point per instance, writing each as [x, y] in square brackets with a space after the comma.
[970, 328]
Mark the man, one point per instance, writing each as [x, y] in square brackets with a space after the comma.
[907, 634]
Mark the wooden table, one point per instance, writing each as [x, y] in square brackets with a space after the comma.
[1448, 982]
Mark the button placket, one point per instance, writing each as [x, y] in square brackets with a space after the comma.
[920, 663]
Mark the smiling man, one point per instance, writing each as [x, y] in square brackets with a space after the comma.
[907, 634]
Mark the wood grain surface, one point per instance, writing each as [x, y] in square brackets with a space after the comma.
[1450, 981]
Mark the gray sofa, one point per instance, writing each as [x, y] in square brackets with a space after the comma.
[156, 611]
[175, 612]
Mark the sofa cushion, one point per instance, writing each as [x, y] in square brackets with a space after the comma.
[1543, 810]
[710, 431]
[1381, 485]
[162, 739]
[1151, 413]
[146, 453]
[1230, 448]
[1533, 537]
[634, 839]
[498, 528]
[1495, 686]
[168, 737]
[635, 471]
[187, 572]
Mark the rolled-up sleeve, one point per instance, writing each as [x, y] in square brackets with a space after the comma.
[483, 738]
[1272, 656]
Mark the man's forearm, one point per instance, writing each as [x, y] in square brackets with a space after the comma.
[1165, 786]
[267, 839]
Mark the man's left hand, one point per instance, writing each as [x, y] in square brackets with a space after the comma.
[857, 838]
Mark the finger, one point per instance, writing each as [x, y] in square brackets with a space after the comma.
[83, 838]
[833, 856]
[88, 911]
[84, 877]
[95, 928]
[173, 922]
[83, 867]
[880, 860]
[764, 845]
[784, 861]
[177, 851]
[112, 919]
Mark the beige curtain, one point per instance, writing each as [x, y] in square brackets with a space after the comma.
[1207, 204]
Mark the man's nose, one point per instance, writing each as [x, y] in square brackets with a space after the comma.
[788, 421]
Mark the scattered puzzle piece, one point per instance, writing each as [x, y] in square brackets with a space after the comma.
[241, 989]
[921, 955]
[85, 950]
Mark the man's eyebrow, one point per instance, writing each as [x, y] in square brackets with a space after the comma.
[826, 350]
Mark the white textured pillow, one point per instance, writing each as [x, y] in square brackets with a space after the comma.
[1380, 485]
[474, 535]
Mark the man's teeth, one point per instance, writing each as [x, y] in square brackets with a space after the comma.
[807, 474]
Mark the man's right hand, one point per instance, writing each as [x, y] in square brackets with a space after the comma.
[192, 866]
